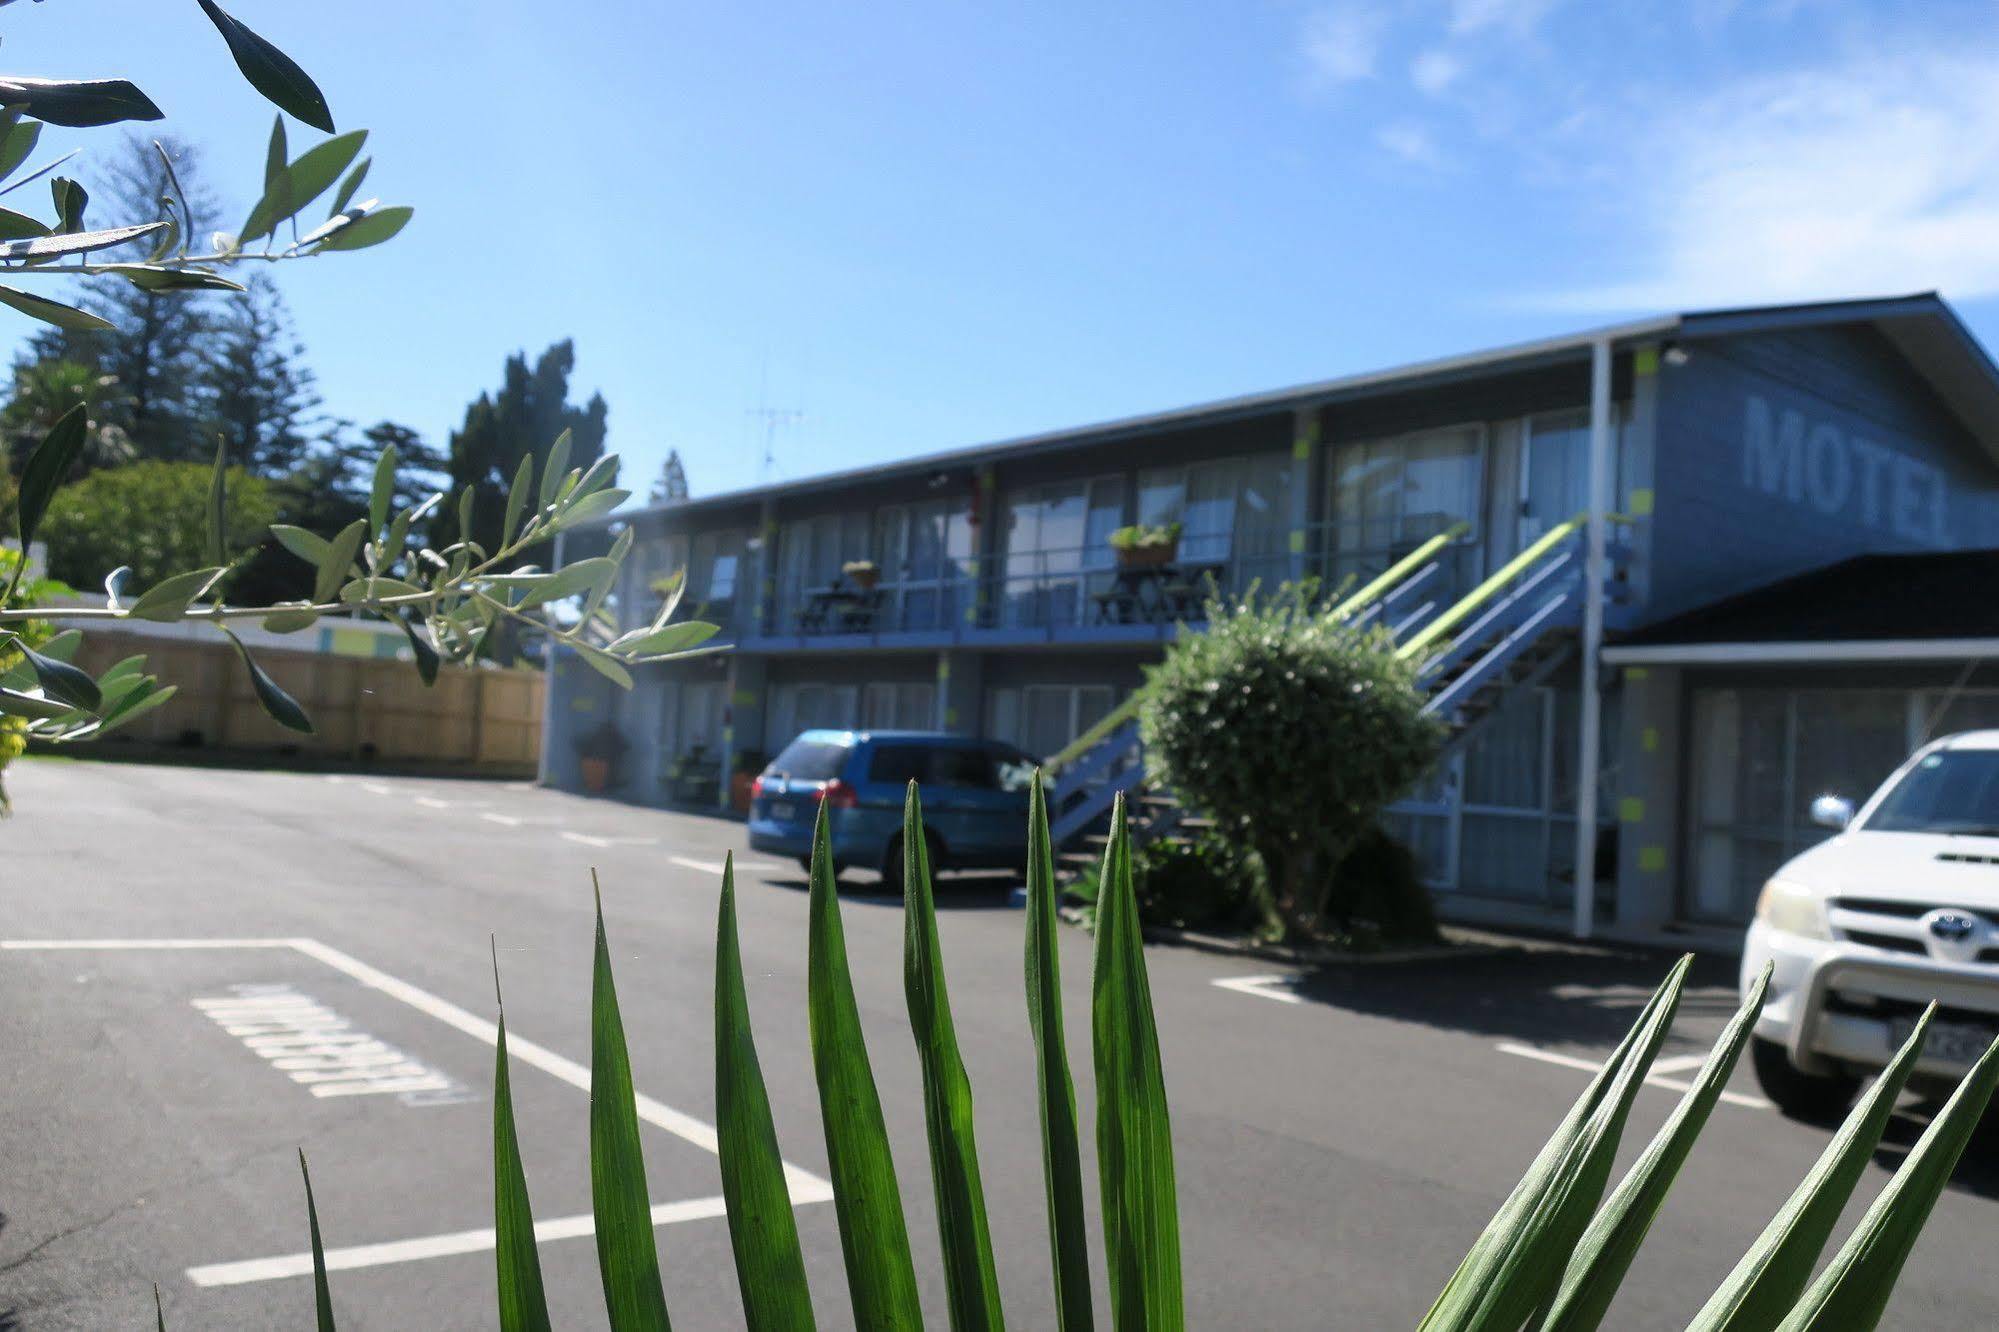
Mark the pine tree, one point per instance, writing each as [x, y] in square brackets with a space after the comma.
[255, 390]
[153, 353]
[531, 408]
[671, 488]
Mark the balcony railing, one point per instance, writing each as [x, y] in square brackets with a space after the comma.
[1083, 591]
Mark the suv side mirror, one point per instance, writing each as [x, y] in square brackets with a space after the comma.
[1831, 811]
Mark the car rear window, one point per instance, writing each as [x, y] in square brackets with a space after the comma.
[935, 765]
[900, 764]
[810, 760]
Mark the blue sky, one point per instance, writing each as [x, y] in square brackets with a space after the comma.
[932, 225]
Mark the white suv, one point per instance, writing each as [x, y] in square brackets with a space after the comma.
[1866, 929]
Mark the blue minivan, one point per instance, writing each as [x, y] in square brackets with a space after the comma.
[974, 799]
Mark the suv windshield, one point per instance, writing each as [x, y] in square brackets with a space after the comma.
[810, 760]
[1950, 791]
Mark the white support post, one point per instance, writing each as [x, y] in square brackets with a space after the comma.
[1595, 568]
[543, 772]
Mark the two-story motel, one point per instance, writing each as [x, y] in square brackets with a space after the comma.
[1784, 575]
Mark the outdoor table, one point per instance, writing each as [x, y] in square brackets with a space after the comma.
[839, 607]
[1156, 593]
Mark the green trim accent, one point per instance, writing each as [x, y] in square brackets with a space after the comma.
[1399, 570]
[1631, 810]
[1648, 739]
[1641, 503]
[1491, 587]
[1651, 859]
[1297, 543]
[1645, 361]
[1089, 739]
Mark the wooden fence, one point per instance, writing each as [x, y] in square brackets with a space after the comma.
[363, 709]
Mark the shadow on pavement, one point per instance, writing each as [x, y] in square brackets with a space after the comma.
[952, 891]
[1535, 994]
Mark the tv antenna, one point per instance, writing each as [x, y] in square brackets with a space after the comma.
[772, 418]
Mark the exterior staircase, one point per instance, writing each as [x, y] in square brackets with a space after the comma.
[1512, 631]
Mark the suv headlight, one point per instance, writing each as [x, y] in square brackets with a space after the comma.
[1793, 909]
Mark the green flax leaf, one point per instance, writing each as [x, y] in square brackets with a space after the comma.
[1766, 1283]
[770, 1267]
[626, 1257]
[1061, 1153]
[1513, 1267]
[270, 71]
[1600, 1262]
[1852, 1292]
[971, 1285]
[322, 1296]
[522, 1305]
[881, 1276]
[282, 707]
[1134, 1132]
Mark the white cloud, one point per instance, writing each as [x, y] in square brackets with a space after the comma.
[1519, 17]
[1435, 70]
[1872, 176]
[1342, 42]
[1410, 142]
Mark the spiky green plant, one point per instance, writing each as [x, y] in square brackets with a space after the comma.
[1551, 1259]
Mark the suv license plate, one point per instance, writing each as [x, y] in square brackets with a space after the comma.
[1951, 1042]
[783, 811]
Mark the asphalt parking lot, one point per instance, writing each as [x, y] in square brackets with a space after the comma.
[206, 970]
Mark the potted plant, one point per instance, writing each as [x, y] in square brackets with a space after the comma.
[863, 574]
[1146, 546]
[597, 756]
[748, 763]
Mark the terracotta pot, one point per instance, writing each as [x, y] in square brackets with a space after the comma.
[1147, 557]
[866, 579]
[739, 791]
[596, 773]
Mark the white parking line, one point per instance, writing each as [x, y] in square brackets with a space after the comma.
[705, 866]
[804, 1186]
[1263, 987]
[431, 1246]
[376, 788]
[507, 819]
[601, 843]
[1653, 1079]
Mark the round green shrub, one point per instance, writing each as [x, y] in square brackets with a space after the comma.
[1292, 731]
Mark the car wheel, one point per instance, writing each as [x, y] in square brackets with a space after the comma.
[805, 863]
[1815, 1097]
[891, 866]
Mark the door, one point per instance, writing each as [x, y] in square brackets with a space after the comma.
[1554, 477]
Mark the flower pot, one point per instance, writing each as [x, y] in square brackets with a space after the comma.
[1148, 556]
[596, 774]
[865, 579]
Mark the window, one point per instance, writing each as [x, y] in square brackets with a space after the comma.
[810, 760]
[1391, 495]
[924, 551]
[1950, 791]
[900, 764]
[1235, 512]
[899, 706]
[1759, 758]
[1057, 537]
[1041, 719]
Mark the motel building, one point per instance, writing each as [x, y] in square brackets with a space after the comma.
[1672, 580]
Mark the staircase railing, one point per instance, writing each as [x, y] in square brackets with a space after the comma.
[1090, 771]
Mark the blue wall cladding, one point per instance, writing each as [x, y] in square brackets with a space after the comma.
[1781, 452]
